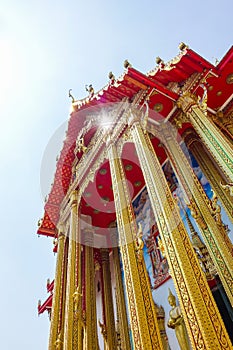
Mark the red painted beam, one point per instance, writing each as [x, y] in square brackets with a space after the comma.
[46, 305]
[143, 79]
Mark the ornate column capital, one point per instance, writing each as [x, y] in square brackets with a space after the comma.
[186, 101]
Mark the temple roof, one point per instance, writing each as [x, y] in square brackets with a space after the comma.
[163, 85]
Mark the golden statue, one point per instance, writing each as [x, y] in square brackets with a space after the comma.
[77, 298]
[176, 322]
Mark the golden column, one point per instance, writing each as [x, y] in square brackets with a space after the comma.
[211, 172]
[108, 301]
[196, 300]
[219, 147]
[143, 320]
[55, 330]
[70, 287]
[218, 245]
[120, 299]
[77, 296]
[91, 337]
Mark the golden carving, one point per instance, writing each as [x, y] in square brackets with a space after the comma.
[80, 146]
[229, 78]
[139, 243]
[202, 100]
[58, 343]
[228, 187]
[161, 247]
[186, 101]
[180, 119]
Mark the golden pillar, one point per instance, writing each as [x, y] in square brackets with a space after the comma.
[55, 330]
[122, 320]
[196, 300]
[91, 338]
[218, 244]
[77, 296]
[219, 147]
[143, 320]
[108, 301]
[212, 173]
[70, 287]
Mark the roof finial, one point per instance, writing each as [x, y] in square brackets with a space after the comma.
[127, 64]
[71, 96]
[111, 77]
[183, 46]
[90, 89]
[159, 60]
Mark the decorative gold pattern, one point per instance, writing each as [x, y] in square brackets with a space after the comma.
[228, 187]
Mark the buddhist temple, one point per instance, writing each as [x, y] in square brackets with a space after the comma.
[141, 211]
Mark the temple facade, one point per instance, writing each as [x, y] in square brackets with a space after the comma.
[141, 212]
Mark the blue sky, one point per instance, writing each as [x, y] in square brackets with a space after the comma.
[46, 48]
